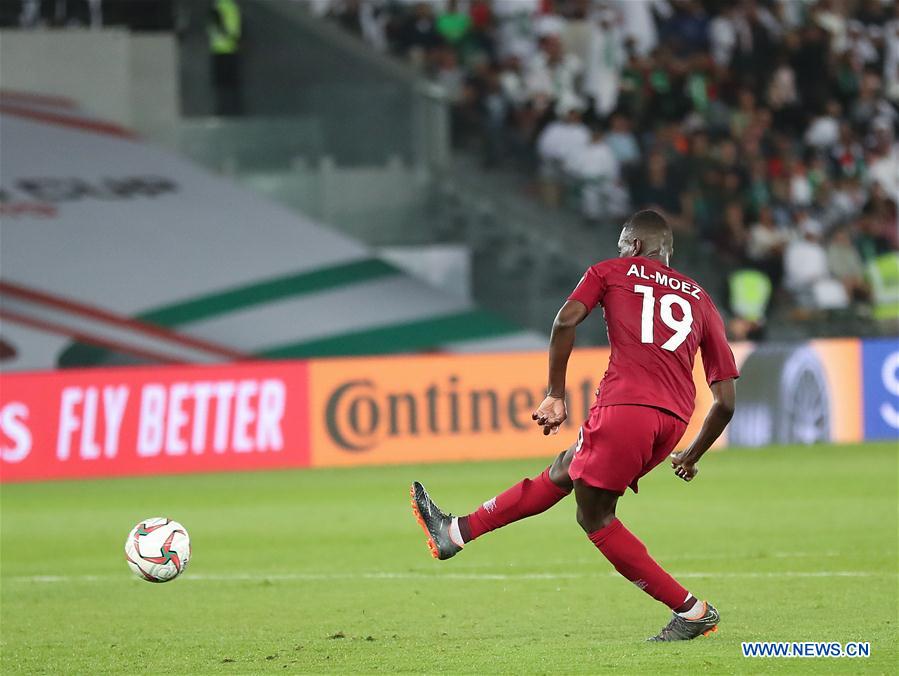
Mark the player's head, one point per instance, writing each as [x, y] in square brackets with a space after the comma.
[646, 233]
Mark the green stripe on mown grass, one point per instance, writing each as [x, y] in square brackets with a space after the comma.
[410, 337]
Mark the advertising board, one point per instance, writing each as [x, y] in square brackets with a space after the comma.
[404, 409]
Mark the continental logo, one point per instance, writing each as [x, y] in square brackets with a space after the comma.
[440, 408]
[363, 413]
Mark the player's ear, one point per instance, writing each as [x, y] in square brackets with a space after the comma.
[637, 246]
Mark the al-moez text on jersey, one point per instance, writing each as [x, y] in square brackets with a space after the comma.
[663, 279]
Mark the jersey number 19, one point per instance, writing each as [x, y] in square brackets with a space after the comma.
[681, 327]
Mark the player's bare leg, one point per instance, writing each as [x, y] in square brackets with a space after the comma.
[447, 534]
[596, 515]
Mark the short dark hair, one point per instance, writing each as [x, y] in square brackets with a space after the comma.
[648, 221]
[651, 228]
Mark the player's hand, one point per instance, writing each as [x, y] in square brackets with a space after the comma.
[684, 466]
[550, 414]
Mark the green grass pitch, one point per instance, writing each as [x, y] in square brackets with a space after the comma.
[327, 571]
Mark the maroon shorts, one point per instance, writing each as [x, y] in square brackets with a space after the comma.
[619, 444]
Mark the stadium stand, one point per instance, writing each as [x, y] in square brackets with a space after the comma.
[766, 130]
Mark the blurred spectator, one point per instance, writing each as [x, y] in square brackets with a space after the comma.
[859, 46]
[622, 141]
[758, 190]
[660, 188]
[638, 22]
[766, 244]
[561, 139]
[801, 193]
[871, 12]
[687, 29]
[807, 60]
[452, 24]
[833, 22]
[884, 169]
[845, 263]
[224, 31]
[847, 154]
[448, 73]
[604, 61]
[884, 274]
[723, 35]
[876, 229]
[824, 131]
[565, 136]
[552, 72]
[744, 115]
[891, 56]
[515, 32]
[870, 104]
[596, 171]
[783, 94]
[417, 35]
[749, 292]
[731, 240]
[593, 160]
[807, 272]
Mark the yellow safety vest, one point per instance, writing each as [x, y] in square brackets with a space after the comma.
[883, 273]
[224, 35]
[750, 291]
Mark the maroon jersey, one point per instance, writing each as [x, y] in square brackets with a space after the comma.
[657, 319]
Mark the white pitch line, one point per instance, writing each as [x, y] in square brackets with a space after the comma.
[309, 577]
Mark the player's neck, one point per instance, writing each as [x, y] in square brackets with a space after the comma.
[655, 257]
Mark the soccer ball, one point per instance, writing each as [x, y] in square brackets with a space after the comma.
[158, 549]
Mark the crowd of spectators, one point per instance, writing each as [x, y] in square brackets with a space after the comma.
[767, 128]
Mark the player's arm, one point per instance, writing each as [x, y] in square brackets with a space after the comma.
[552, 412]
[720, 372]
[684, 463]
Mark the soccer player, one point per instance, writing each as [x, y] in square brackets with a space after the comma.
[657, 319]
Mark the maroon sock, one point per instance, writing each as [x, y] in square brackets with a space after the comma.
[630, 558]
[524, 499]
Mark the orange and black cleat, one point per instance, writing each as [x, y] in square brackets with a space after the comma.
[435, 523]
[682, 629]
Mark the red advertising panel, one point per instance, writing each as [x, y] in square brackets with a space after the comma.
[130, 421]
